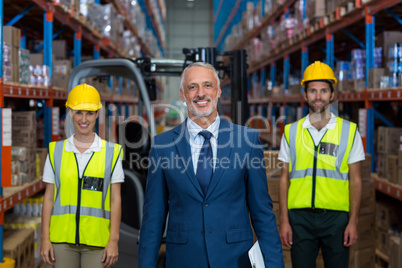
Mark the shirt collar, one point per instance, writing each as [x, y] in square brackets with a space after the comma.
[95, 146]
[194, 129]
[330, 125]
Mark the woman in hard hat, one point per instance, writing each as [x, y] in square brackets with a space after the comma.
[82, 205]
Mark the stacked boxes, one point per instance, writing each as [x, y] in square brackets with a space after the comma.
[388, 223]
[362, 254]
[20, 246]
[12, 36]
[387, 147]
[24, 135]
[61, 73]
[24, 71]
[7, 67]
[30, 227]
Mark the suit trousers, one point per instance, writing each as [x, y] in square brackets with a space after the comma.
[71, 256]
[312, 231]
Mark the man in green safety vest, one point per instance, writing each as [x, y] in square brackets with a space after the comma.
[320, 185]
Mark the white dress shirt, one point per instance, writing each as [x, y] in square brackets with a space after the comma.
[197, 141]
[356, 153]
[82, 159]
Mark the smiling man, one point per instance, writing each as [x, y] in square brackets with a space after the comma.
[320, 185]
[209, 196]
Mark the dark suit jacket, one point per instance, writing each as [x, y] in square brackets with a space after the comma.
[213, 228]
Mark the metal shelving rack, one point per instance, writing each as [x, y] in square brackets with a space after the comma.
[323, 29]
[14, 195]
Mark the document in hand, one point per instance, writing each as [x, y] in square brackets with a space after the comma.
[255, 256]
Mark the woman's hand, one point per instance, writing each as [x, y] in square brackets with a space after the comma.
[46, 252]
[110, 254]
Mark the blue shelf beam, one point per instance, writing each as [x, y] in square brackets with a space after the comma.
[286, 71]
[330, 49]
[55, 35]
[370, 31]
[305, 62]
[230, 14]
[273, 74]
[370, 135]
[96, 52]
[77, 47]
[23, 43]
[382, 118]
[395, 16]
[354, 38]
[20, 16]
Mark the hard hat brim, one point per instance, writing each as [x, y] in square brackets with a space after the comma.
[86, 107]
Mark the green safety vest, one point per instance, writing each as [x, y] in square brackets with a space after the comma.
[319, 175]
[81, 211]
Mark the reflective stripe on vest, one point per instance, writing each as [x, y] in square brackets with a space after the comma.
[331, 172]
[86, 222]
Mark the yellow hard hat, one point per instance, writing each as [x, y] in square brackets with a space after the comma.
[318, 71]
[84, 97]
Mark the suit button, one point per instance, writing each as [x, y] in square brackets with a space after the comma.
[203, 232]
[206, 204]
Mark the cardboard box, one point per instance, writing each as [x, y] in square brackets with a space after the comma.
[387, 215]
[12, 35]
[362, 258]
[375, 77]
[386, 41]
[392, 168]
[315, 9]
[61, 73]
[400, 159]
[366, 231]
[399, 176]
[287, 257]
[382, 240]
[26, 120]
[272, 162]
[367, 204]
[60, 49]
[19, 245]
[381, 165]
[395, 252]
[273, 188]
[366, 168]
[41, 154]
[36, 59]
[275, 209]
[388, 140]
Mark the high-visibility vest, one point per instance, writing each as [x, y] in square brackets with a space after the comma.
[81, 210]
[319, 175]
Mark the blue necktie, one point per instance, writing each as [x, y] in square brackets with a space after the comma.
[204, 166]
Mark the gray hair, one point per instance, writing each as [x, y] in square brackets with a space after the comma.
[199, 64]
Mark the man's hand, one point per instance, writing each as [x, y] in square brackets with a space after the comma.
[350, 235]
[285, 232]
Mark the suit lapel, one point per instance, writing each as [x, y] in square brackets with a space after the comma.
[184, 151]
[224, 149]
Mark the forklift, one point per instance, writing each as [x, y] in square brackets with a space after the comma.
[142, 71]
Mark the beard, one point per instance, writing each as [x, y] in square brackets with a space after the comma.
[195, 112]
[320, 110]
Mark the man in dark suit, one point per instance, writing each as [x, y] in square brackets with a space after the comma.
[210, 176]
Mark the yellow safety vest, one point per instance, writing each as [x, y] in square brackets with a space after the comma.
[319, 175]
[81, 211]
